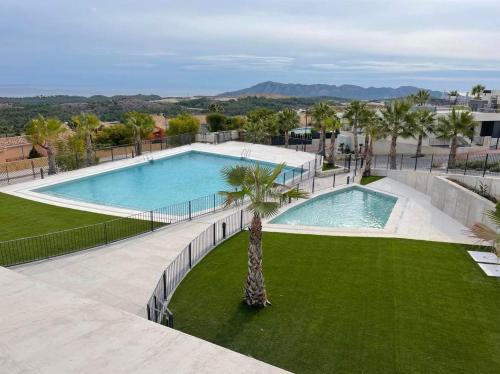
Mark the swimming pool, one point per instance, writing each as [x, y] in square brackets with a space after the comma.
[166, 181]
[350, 207]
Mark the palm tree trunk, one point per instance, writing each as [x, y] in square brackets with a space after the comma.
[88, 146]
[138, 145]
[322, 141]
[255, 290]
[51, 159]
[392, 152]
[286, 139]
[453, 152]
[365, 150]
[331, 153]
[419, 146]
[368, 159]
[356, 144]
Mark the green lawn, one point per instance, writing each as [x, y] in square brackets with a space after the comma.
[370, 179]
[21, 218]
[349, 305]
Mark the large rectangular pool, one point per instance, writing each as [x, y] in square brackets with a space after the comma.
[152, 185]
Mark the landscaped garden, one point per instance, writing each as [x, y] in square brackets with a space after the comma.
[348, 305]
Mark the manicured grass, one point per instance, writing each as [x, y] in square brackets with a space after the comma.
[349, 305]
[370, 179]
[22, 218]
[326, 167]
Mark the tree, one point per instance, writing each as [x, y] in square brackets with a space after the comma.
[454, 94]
[215, 107]
[44, 132]
[257, 184]
[287, 120]
[320, 113]
[477, 91]
[453, 125]
[260, 124]
[356, 113]
[216, 122]
[333, 124]
[423, 125]
[373, 131]
[142, 125]
[396, 122]
[235, 123]
[70, 152]
[184, 123]
[422, 97]
[86, 126]
[114, 135]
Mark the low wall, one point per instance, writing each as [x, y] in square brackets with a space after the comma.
[458, 202]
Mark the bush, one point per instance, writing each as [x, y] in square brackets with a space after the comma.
[235, 123]
[34, 153]
[183, 124]
[216, 122]
[114, 135]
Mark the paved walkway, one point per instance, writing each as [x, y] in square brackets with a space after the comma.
[45, 329]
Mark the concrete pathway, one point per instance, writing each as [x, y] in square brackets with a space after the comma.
[45, 329]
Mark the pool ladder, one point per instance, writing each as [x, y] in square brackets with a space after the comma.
[246, 153]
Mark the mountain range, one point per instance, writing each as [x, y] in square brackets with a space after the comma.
[345, 91]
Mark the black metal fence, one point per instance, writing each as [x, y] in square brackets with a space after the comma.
[481, 163]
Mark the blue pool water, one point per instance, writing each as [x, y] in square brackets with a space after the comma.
[162, 183]
[348, 208]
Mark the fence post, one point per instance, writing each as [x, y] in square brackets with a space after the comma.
[284, 181]
[348, 179]
[416, 160]
[485, 164]
[293, 175]
[150, 147]
[432, 161]
[401, 163]
[151, 220]
[156, 308]
[133, 153]
[333, 180]
[190, 255]
[448, 163]
[164, 286]
[223, 230]
[349, 162]
[106, 233]
[314, 178]
[214, 203]
[41, 173]
[189, 203]
[241, 219]
[112, 154]
[7, 171]
[149, 312]
[33, 169]
[466, 159]
[301, 172]
[215, 239]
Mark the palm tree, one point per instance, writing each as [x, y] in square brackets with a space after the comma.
[356, 113]
[141, 124]
[423, 125]
[320, 112]
[453, 125]
[86, 125]
[396, 121]
[44, 132]
[287, 120]
[421, 97]
[256, 130]
[454, 94]
[257, 184]
[477, 90]
[485, 233]
[333, 124]
[373, 131]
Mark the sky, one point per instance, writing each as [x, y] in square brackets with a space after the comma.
[192, 47]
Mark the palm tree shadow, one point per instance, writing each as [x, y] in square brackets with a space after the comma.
[231, 328]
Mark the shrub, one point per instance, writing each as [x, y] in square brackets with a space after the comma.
[114, 135]
[216, 122]
[183, 124]
[34, 153]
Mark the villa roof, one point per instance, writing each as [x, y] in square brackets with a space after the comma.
[13, 141]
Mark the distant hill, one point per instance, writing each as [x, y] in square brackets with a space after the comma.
[345, 91]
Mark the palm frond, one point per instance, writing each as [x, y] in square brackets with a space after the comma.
[265, 209]
[234, 175]
[483, 232]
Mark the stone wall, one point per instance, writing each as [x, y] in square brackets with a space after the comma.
[458, 202]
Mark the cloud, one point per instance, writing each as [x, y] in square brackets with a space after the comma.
[241, 61]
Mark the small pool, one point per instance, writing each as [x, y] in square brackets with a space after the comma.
[350, 207]
[164, 182]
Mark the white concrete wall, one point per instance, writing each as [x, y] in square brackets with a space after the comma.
[456, 201]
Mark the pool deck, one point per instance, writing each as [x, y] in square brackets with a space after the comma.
[234, 149]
